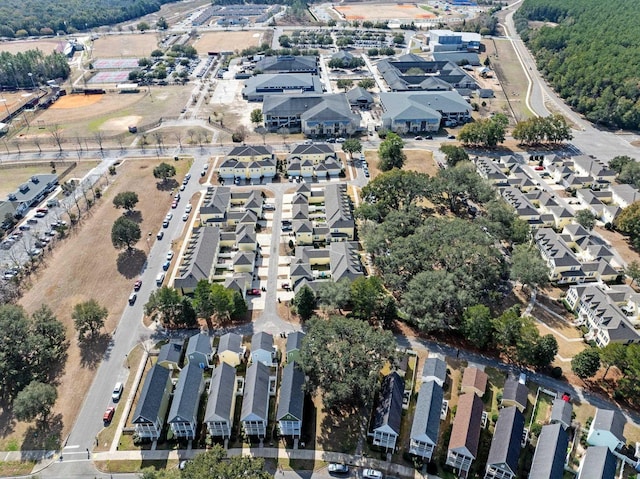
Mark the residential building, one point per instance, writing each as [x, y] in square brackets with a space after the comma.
[426, 420]
[584, 165]
[407, 112]
[434, 369]
[504, 452]
[221, 401]
[263, 349]
[230, 349]
[515, 394]
[313, 115]
[465, 434]
[359, 97]
[255, 404]
[170, 354]
[248, 162]
[561, 413]
[288, 64]
[607, 429]
[199, 350]
[310, 264]
[183, 415]
[385, 424]
[316, 153]
[153, 403]
[257, 86]
[598, 463]
[474, 380]
[294, 342]
[291, 403]
[199, 260]
[551, 452]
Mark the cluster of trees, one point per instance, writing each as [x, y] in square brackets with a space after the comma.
[487, 132]
[550, 129]
[381, 52]
[588, 57]
[628, 223]
[390, 152]
[171, 308]
[355, 62]
[628, 170]
[304, 39]
[266, 49]
[42, 17]
[125, 232]
[31, 351]
[15, 69]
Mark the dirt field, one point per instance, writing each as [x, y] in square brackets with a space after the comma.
[619, 243]
[125, 45]
[46, 46]
[75, 272]
[227, 41]
[383, 12]
[417, 160]
[11, 178]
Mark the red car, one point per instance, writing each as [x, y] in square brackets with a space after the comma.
[174, 204]
[253, 292]
[108, 414]
[137, 285]
[539, 168]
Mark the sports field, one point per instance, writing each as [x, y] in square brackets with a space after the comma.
[383, 12]
[119, 76]
[125, 45]
[227, 41]
[46, 46]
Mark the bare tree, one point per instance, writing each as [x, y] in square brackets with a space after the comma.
[159, 139]
[79, 143]
[143, 140]
[284, 133]
[178, 135]
[99, 140]
[57, 136]
[191, 132]
[262, 131]
[17, 143]
[120, 140]
[36, 141]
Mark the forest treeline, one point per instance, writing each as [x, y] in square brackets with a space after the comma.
[18, 71]
[44, 17]
[589, 52]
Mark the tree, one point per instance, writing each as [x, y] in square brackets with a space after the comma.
[367, 83]
[453, 187]
[351, 146]
[528, 267]
[202, 301]
[165, 304]
[617, 163]
[614, 354]
[586, 363]
[366, 295]
[477, 325]
[127, 200]
[334, 295]
[162, 24]
[142, 26]
[586, 219]
[125, 233]
[454, 154]
[305, 302]
[256, 117]
[342, 359]
[16, 351]
[88, 318]
[390, 152]
[628, 223]
[215, 464]
[633, 271]
[35, 402]
[50, 336]
[395, 190]
[544, 351]
[164, 171]
[344, 84]
[488, 132]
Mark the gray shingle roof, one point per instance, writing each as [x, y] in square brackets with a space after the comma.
[282, 82]
[262, 340]
[313, 149]
[200, 264]
[171, 351]
[515, 391]
[230, 342]
[551, 451]
[199, 343]
[221, 394]
[294, 341]
[435, 367]
[389, 409]
[612, 421]
[291, 393]
[561, 412]
[186, 397]
[598, 463]
[426, 419]
[255, 403]
[505, 445]
[429, 101]
[288, 64]
[152, 395]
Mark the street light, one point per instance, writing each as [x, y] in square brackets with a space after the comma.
[32, 82]
[148, 241]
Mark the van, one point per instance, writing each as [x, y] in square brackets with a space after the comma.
[52, 203]
[160, 278]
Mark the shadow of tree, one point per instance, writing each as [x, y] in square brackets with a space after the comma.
[94, 349]
[135, 216]
[167, 185]
[7, 421]
[130, 262]
[339, 430]
[43, 435]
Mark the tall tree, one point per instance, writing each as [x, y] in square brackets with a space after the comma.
[633, 271]
[202, 302]
[35, 402]
[334, 295]
[390, 152]
[628, 223]
[528, 267]
[215, 464]
[305, 302]
[586, 219]
[88, 318]
[256, 117]
[586, 363]
[16, 350]
[351, 146]
[164, 171]
[125, 233]
[127, 200]
[454, 154]
[166, 304]
[477, 325]
[614, 354]
[49, 337]
[394, 190]
[342, 359]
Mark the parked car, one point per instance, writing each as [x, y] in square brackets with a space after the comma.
[539, 168]
[177, 196]
[160, 279]
[132, 298]
[253, 292]
[160, 234]
[117, 391]
[185, 217]
[137, 285]
[418, 138]
[451, 137]
[340, 140]
[108, 414]
[182, 187]
[169, 216]
[169, 255]
[188, 209]
[335, 468]
[166, 265]
[40, 214]
[372, 474]
[32, 221]
[269, 207]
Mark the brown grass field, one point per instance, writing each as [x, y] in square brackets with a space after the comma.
[85, 266]
[227, 41]
[46, 46]
[11, 178]
[125, 45]
[417, 160]
[383, 12]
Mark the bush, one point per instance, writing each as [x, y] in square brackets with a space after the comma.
[237, 138]
[556, 372]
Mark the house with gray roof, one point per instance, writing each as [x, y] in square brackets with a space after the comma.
[288, 64]
[216, 204]
[170, 354]
[199, 260]
[291, 403]
[385, 424]
[31, 193]
[248, 161]
[607, 429]
[294, 343]
[515, 394]
[183, 415]
[504, 452]
[465, 434]
[263, 349]
[255, 403]
[221, 401]
[551, 453]
[257, 86]
[426, 420]
[153, 403]
[434, 369]
[411, 112]
[342, 257]
[598, 463]
[314, 115]
[561, 412]
[199, 350]
[230, 349]
[359, 97]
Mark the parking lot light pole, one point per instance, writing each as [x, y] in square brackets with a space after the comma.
[149, 242]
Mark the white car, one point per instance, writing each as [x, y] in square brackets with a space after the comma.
[170, 255]
[372, 474]
[188, 209]
[185, 217]
[117, 391]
